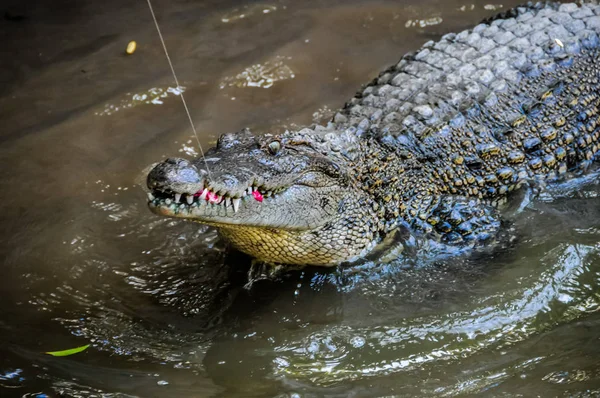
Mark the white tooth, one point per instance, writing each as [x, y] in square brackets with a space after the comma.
[150, 196]
[204, 193]
[236, 204]
[168, 202]
[177, 197]
[189, 199]
[227, 202]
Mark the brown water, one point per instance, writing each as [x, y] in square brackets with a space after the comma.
[163, 303]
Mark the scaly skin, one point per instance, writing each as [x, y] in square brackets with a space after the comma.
[435, 142]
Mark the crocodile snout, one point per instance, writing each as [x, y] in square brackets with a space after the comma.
[176, 175]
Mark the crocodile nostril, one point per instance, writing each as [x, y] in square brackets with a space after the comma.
[178, 162]
[175, 174]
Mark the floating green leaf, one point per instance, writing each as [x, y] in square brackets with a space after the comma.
[71, 351]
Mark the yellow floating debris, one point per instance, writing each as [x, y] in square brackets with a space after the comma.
[131, 47]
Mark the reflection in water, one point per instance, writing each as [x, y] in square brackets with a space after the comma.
[500, 319]
[166, 305]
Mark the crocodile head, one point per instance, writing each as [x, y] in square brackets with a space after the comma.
[282, 199]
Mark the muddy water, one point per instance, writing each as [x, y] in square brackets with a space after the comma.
[163, 303]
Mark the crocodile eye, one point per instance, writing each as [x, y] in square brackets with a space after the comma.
[274, 147]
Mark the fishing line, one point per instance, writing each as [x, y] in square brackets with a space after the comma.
[178, 86]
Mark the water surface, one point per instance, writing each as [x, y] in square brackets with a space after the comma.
[163, 303]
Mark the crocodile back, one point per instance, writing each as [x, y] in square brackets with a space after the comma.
[513, 98]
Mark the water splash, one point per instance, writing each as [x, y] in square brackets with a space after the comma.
[245, 12]
[263, 75]
[422, 23]
[152, 96]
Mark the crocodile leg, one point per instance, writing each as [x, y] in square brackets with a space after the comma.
[457, 220]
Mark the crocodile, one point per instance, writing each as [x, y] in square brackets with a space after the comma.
[436, 143]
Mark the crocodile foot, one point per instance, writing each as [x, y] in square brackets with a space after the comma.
[458, 220]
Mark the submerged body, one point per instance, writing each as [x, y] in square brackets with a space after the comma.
[435, 143]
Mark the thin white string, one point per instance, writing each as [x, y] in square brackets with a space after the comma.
[177, 83]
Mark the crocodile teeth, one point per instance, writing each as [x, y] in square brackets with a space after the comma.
[204, 193]
[177, 197]
[189, 199]
[559, 42]
[236, 204]
[150, 196]
[227, 202]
